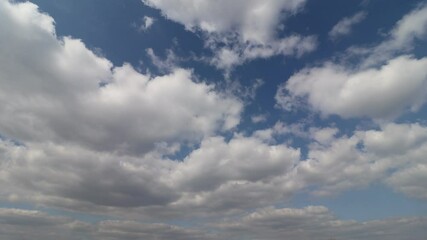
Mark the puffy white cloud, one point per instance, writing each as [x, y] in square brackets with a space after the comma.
[411, 27]
[344, 26]
[244, 172]
[51, 91]
[253, 20]
[214, 176]
[241, 159]
[381, 85]
[378, 93]
[394, 154]
[92, 136]
[89, 136]
[75, 178]
[247, 28]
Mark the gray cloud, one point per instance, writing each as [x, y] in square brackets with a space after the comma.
[16, 224]
[268, 223]
[317, 222]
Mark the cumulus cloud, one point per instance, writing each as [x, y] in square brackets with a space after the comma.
[213, 176]
[381, 86]
[386, 155]
[345, 25]
[387, 91]
[80, 134]
[70, 95]
[220, 174]
[247, 28]
[96, 137]
[253, 20]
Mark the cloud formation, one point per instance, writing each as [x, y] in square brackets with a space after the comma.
[345, 25]
[67, 94]
[382, 85]
[317, 222]
[395, 87]
[82, 135]
[248, 29]
[267, 223]
[146, 24]
[386, 155]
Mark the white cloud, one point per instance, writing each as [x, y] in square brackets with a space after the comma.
[378, 93]
[96, 136]
[146, 23]
[247, 28]
[58, 97]
[103, 149]
[220, 174]
[324, 135]
[387, 155]
[259, 118]
[411, 181]
[381, 86]
[229, 57]
[211, 177]
[345, 25]
[242, 159]
[412, 27]
[253, 20]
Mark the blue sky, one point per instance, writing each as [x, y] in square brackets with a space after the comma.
[243, 119]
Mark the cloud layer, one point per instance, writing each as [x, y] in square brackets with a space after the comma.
[80, 134]
[268, 223]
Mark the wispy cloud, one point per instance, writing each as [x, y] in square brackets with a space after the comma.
[345, 25]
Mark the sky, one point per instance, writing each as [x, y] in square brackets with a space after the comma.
[213, 120]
